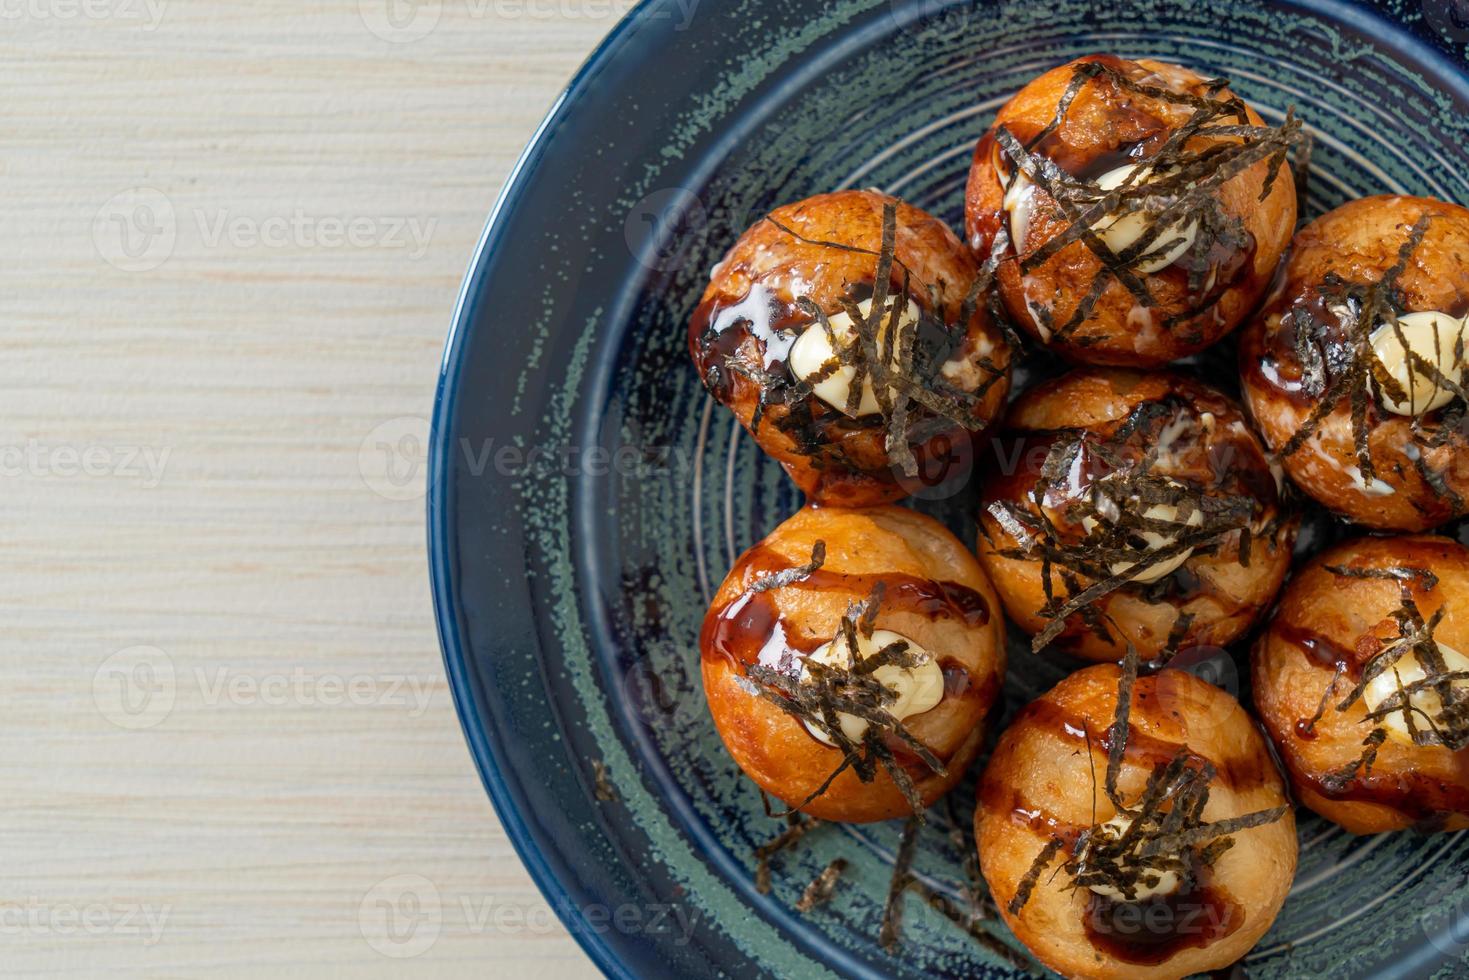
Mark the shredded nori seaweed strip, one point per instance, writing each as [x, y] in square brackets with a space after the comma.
[910, 393]
[1340, 779]
[1353, 373]
[978, 903]
[1180, 187]
[818, 694]
[1033, 876]
[1122, 713]
[1449, 727]
[961, 838]
[1114, 552]
[797, 826]
[979, 907]
[890, 933]
[788, 576]
[1165, 833]
[1326, 696]
[602, 788]
[822, 886]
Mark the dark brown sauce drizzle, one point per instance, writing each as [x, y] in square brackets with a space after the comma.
[740, 629]
[725, 332]
[1320, 650]
[1420, 797]
[998, 798]
[1150, 931]
[712, 348]
[1156, 929]
[749, 629]
[1323, 364]
[1222, 463]
[1214, 264]
[1140, 748]
[1137, 133]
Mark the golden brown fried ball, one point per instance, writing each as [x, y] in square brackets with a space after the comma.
[1046, 782]
[1303, 356]
[823, 254]
[1344, 619]
[1158, 481]
[934, 598]
[1117, 119]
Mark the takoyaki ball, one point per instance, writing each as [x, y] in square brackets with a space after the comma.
[795, 315]
[1362, 680]
[843, 737]
[1128, 506]
[1373, 433]
[1132, 884]
[1126, 233]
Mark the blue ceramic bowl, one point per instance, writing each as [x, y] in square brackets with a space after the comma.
[587, 497]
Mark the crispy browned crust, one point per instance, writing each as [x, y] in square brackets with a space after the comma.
[1407, 784]
[1044, 782]
[848, 464]
[1229, 597]
[1101, 119]
[862, 546]
[1359, 242]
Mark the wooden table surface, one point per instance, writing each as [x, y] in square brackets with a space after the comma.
[233, 234]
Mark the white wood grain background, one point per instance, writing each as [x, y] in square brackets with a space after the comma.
[232, 236]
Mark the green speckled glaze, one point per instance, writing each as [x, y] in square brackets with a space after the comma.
[620, 566]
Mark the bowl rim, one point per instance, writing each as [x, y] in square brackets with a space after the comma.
[439, 505]
[529, 845]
